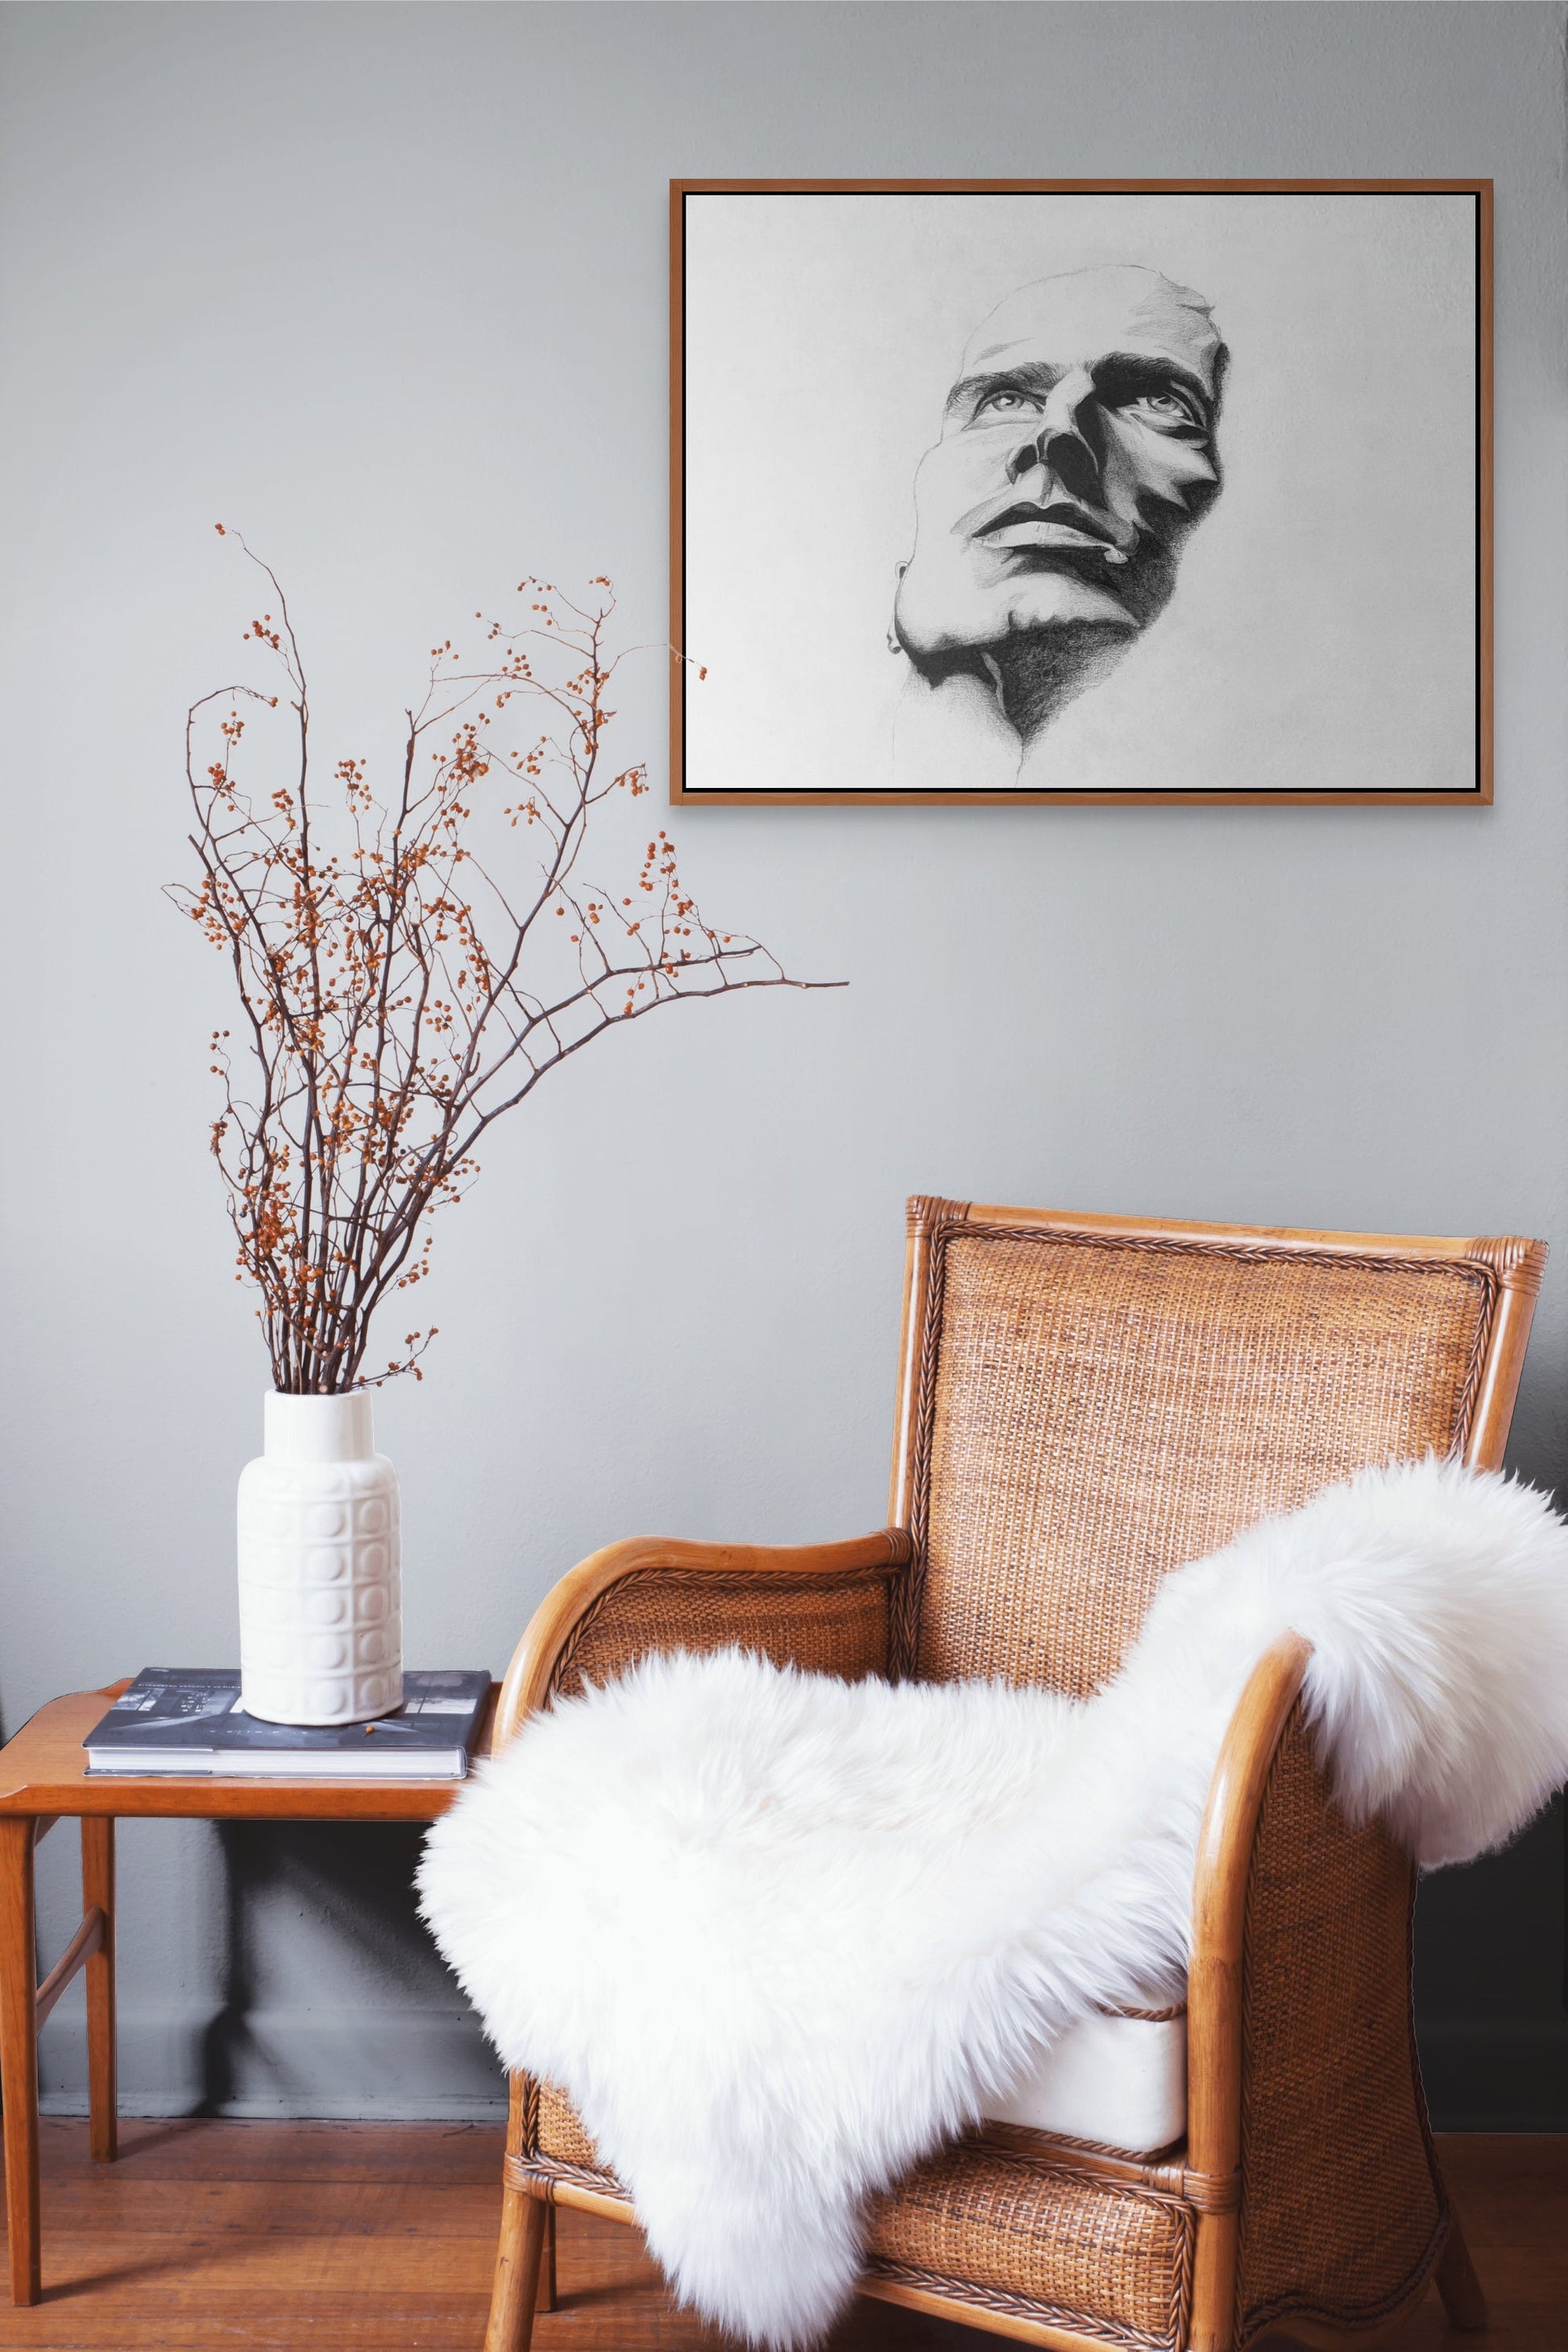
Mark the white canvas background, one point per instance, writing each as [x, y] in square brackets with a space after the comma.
[1322, 634]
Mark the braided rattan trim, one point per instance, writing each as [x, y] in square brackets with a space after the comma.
[710, 1585]
[904, 1628]
[1152, 2166]
[907, 1599]
[530, 2174]
[1053, 2314]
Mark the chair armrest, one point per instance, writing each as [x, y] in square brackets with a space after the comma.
[1219, 1903]
[1226, 1844]
[823, 1606]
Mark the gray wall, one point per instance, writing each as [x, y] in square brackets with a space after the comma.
[385, 286]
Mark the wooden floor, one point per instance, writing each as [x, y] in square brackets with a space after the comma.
[376, 2236]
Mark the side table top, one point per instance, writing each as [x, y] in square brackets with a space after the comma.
[44, 1770]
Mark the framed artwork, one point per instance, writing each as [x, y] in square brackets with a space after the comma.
[1081, 490]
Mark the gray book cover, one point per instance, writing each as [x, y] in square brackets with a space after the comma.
[194, 1712]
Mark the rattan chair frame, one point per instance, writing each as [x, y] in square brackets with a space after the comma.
[1207, 2178]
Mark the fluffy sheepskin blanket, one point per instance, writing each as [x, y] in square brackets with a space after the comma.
[779, 1936]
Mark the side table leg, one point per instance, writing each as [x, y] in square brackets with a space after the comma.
[19, 2053]
[97, 1887]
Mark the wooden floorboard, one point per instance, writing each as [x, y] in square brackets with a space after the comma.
[276, 2237]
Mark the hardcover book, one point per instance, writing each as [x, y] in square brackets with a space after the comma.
[190, 1719]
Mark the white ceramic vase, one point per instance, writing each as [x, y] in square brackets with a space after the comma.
[320, 1599]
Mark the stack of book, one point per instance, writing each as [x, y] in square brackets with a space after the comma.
[190, 1719]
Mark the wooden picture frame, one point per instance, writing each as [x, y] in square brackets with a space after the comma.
[1335, 645]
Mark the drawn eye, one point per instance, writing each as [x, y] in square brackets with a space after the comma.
[1006, 402]
[1163, 412]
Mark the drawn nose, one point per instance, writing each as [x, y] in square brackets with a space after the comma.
[1068, 444]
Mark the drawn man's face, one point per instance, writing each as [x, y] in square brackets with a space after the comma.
[1076, 452]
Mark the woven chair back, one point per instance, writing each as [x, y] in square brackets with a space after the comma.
[1087, 1403]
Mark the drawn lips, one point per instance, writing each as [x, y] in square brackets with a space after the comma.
[1065, 527]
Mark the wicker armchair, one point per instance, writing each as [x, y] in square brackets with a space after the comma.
[1084, 1404]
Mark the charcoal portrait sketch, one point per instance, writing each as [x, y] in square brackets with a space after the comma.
[1078, 450]
[1081, 493]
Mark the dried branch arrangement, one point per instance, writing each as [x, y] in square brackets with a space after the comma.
[401, 987]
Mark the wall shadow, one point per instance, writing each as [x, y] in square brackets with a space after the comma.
[356, 1880]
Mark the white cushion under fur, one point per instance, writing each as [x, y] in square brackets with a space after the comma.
[1119, 2081]
[778, 1936]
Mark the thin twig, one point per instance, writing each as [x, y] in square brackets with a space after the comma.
[398, 992]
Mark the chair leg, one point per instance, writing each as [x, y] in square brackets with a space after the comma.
[545, 2298]
[1458, 2285]
[522, 2223]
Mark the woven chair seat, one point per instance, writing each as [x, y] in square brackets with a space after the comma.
[999, 2220]
[994, 2223]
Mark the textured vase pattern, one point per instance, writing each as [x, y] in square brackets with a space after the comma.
[321, 1626]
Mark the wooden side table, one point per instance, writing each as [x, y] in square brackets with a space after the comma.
[42, 1775]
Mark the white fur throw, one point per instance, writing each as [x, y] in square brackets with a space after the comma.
[779, 1936]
